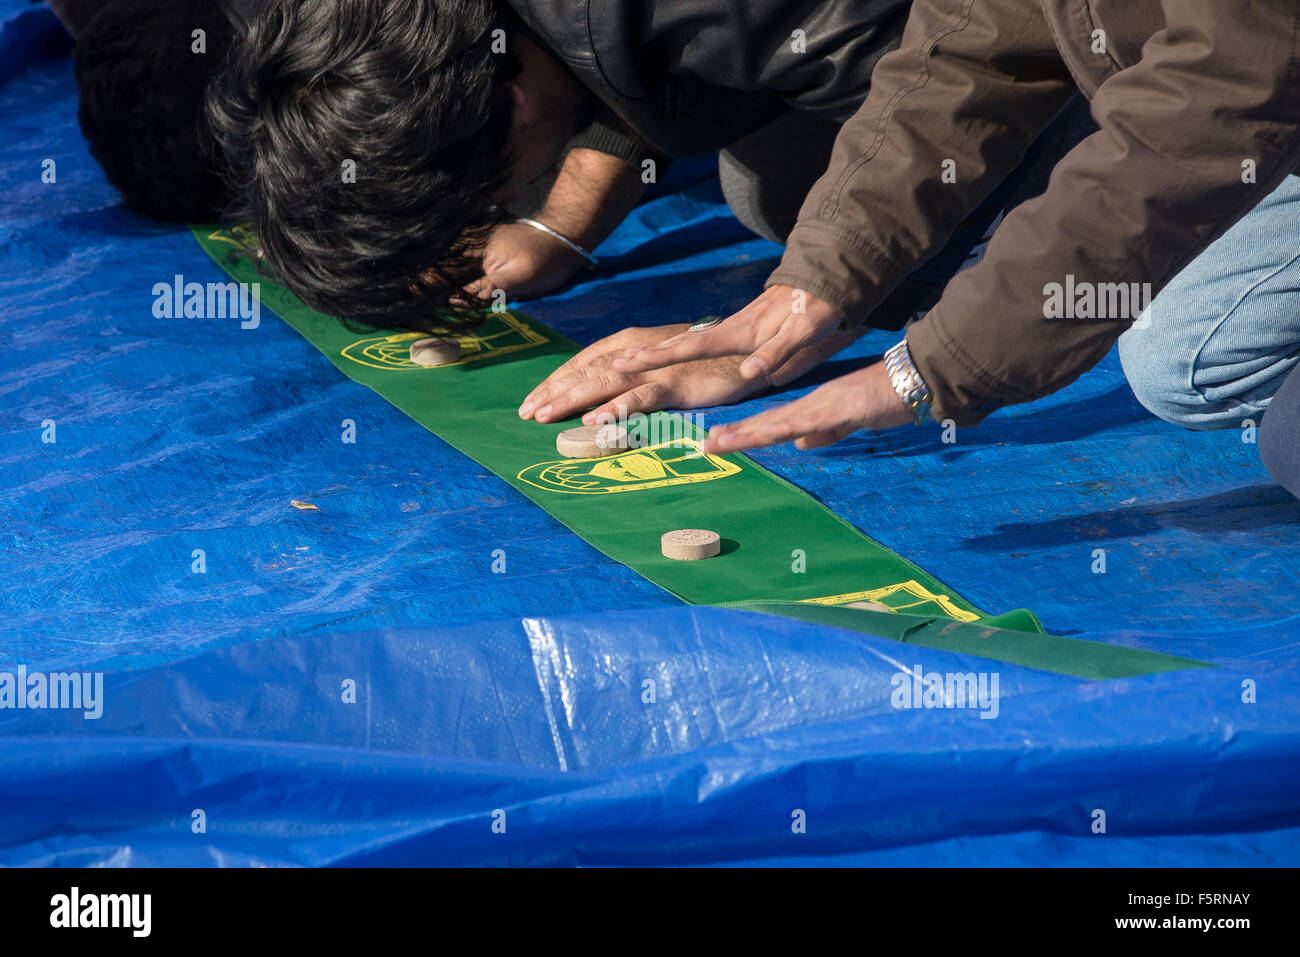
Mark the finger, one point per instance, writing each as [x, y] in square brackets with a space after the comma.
[759, 431]
[794, 334]
[739, 334]
[686, 347]
[646, 397]
[783, 424]
[818, 440]
[597, 355]
[541, 394]
[481, 288]
[553, 384]
[582, 391]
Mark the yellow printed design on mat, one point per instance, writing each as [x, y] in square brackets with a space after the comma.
[241, 236]
[679, 462]
[910, 596]
[500, 334]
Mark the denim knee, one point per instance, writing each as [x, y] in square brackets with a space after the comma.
[1159, 380]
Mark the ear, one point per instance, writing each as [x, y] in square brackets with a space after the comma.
[518, 96]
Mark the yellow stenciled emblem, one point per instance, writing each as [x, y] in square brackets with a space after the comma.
[679, 462]
[243, 236]
[500, 334]
[910, 596]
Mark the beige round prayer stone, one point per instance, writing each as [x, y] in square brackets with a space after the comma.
[690, 544]
[437, 351]
[592, 441]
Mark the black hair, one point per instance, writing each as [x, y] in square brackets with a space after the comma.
[141, 87]
[416, 94]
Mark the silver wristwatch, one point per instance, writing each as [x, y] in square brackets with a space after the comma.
[907, 382]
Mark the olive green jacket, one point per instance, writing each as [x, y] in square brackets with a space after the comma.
[1198, 103]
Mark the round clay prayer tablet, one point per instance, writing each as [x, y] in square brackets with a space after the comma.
[690, 544]
[438, 351]
[592, 441]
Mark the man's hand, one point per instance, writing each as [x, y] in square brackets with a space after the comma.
[591, 195]
[859, 400]
[525, 262]
[589, 380]
[769, 331]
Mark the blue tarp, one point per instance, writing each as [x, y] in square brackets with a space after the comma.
[521, 698]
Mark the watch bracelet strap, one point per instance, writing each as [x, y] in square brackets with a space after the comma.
[907, 382]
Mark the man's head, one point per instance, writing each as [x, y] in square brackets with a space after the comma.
[375, 140]
[142, 71]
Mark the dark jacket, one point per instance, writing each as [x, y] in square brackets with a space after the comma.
[693, 76]
[1198, 103]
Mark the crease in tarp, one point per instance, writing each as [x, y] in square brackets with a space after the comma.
[736, 757]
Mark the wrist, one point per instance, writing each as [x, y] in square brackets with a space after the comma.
[574, 249]
[885, 408]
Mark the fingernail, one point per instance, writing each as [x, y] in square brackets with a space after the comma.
[589, 418]
[544, 414]
[753, 366]
[525, 410]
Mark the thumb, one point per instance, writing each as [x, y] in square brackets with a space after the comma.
[778, 350]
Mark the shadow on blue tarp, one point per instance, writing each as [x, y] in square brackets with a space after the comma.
[527, 692]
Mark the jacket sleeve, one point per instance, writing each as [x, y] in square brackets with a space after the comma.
[1201, 129]
[606, 133]
[949, 115]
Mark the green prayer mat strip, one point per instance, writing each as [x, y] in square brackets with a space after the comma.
[779, 544]
[1070, 656]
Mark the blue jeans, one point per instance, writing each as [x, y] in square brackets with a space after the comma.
[1225, 333]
